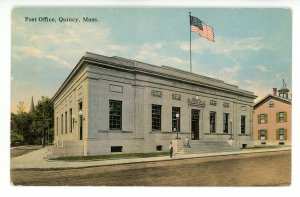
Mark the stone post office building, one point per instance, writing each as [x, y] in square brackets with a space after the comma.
[112, 104]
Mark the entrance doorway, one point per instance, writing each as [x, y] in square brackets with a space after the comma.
[195, 124]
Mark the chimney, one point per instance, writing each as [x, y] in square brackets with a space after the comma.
[274, 91]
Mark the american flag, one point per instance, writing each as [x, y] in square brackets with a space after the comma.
[201, 28]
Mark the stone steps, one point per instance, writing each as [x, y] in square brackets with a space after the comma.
[208, 147]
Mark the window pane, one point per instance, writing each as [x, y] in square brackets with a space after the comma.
[243, 124]
[212, 122]
[225, 122]
[115, 114]
[156, 117]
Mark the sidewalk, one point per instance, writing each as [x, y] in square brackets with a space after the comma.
[37, 159]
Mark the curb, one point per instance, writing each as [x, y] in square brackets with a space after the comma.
[165, 158]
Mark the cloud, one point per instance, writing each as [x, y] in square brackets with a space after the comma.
[154, 53]
[229, 74]
[62, 44]
[224, 45]
[23, 52]
[258, 86]
[263, 69]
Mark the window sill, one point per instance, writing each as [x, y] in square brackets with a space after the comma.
[217, 134]
[114, 131]
[244, 135]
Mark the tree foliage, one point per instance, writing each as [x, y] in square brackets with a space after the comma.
[36, 126]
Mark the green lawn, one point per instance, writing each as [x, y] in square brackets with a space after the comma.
[113, 156]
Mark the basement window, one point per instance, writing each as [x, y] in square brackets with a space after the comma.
[281, 143]
[116, 149]
[159, 148]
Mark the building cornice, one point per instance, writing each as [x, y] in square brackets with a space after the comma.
[163, 72]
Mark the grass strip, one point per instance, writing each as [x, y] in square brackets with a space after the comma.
[112, 156]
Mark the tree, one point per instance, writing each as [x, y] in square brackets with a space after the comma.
[43, 121]
[20, 126]
[33, 127]
[21, 107]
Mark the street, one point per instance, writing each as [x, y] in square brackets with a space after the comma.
[254, 169]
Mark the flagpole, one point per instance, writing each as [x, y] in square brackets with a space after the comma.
[190, 42]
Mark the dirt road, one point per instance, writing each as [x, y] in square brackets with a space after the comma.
[255, 169]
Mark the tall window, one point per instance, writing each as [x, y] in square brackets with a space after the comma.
[66, 122]
[115, 114]
[225, 122]
[212, 121]
[57, 126]
[175, 122]
[243, 124]
[71, 125]
[156, 117]
[62, 124]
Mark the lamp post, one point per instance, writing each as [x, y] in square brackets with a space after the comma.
[177, 118]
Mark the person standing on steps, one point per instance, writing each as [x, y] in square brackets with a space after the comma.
[171, 150]
[187, 142]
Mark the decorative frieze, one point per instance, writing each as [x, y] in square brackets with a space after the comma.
[176, 97]
[213, 102]
[156, 93]
[196, 102]
[226, 105]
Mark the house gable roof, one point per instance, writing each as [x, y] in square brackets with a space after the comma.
[269, 97]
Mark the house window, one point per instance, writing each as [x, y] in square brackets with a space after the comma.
[281, 134]
[212, 122]
[271, 103]
[115, 114]
[243, 124]
[71, 125]
[262, 135]
[262, 118]
[281, 117]
[175, 122]
[225, 122]
[156, 117]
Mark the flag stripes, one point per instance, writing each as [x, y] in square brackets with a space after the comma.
[206, 31]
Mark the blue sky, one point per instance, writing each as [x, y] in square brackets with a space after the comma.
[252, 48]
